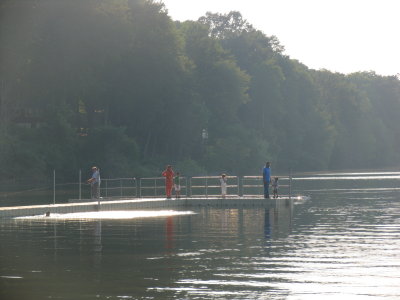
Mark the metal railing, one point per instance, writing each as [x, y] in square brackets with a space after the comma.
[206, 186]
[200, 186]
[253, 185]
[155, 187]
[119, 187]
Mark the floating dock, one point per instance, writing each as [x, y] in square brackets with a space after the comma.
[135, 204]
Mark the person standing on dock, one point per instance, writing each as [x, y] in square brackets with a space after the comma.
[224, 185]
[169, 180]
[94, 182]
[267, 179]
[177, 185]
[275, 186]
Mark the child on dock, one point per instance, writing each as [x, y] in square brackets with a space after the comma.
[224, 185]
[177, 185]
[275, 187]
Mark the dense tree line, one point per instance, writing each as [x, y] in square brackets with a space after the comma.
[119, 84]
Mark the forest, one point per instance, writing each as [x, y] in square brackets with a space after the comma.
[119, 84]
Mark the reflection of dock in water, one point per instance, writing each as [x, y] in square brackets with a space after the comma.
[144, 203]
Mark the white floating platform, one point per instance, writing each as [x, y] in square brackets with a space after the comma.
[142, 203]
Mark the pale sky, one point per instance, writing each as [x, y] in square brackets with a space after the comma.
[339, 35]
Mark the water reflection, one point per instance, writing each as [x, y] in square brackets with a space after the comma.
[333, 245]
[278, 219]
[169, 234]
[97, 243]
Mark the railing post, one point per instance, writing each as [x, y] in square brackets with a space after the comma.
[242, 186]
[238, 186]
[190, 186]
[140, 187]
[120, 187]
[80, 184]
[54, 186]
[98, 200]
[186, 186]
[206, 187]
[290, 184]
[155, 187]
[106, 188]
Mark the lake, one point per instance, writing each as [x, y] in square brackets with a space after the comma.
[340, 242]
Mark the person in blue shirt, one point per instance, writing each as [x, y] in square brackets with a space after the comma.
[267, 179]
[94, 182]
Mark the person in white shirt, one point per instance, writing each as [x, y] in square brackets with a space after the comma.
[224, 185]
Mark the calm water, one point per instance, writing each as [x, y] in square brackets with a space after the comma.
[341, 243]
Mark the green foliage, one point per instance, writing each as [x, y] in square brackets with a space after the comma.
[111, 150]
[36, 152]
[18, 159]
[225, 26]
[118, 84]
[189, 167]
[240, 151]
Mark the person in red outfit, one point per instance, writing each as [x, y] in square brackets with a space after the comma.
[169, 180]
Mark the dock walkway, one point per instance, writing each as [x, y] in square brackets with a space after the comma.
[138, 203]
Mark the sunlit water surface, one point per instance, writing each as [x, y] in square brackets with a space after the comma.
[343, 242]
[104, 215]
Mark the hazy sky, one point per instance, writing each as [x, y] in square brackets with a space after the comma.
[339, 35]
